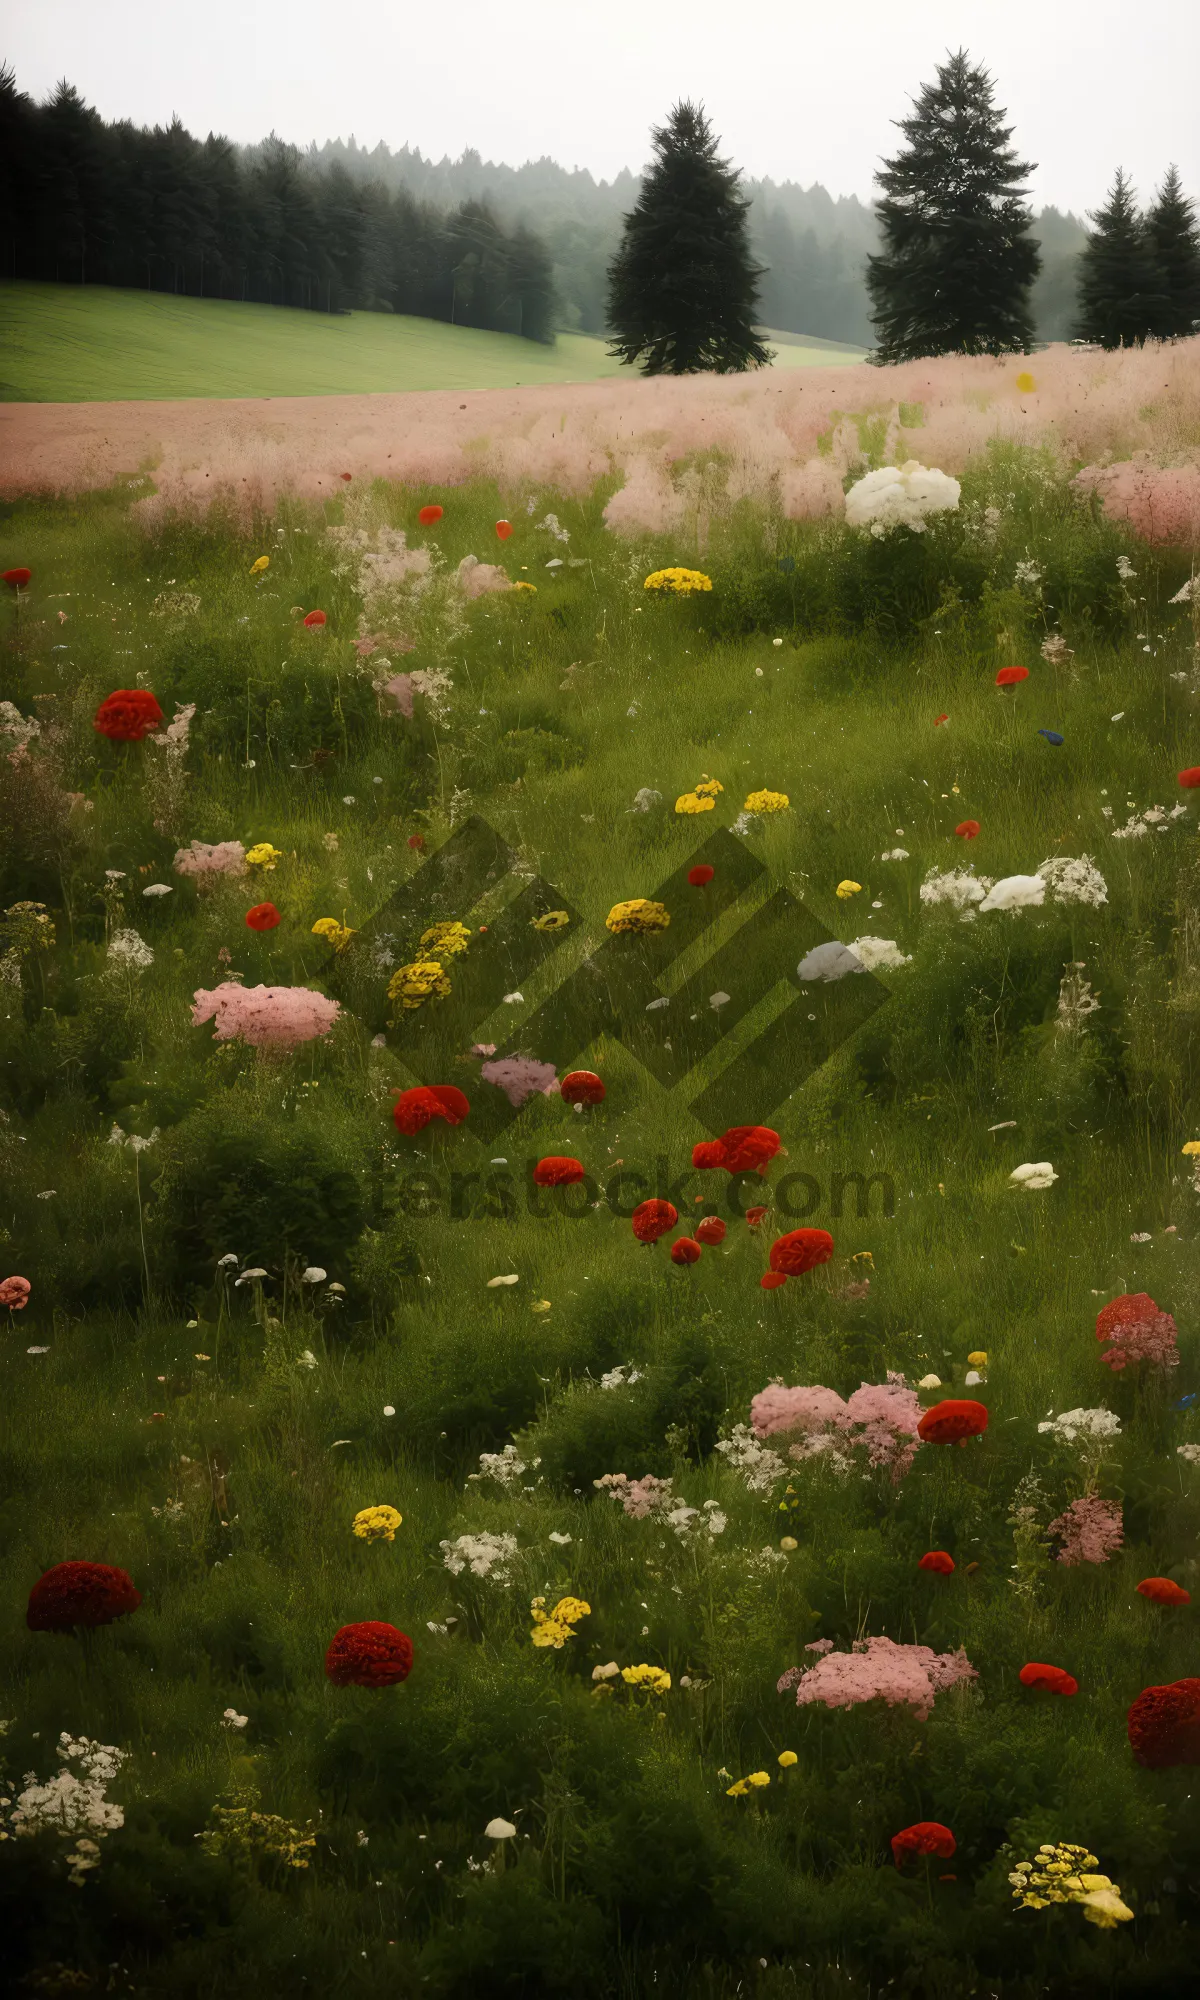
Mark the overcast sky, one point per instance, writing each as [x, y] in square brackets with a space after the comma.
[803, 91]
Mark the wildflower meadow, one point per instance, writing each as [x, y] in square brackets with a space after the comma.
[600, 1243]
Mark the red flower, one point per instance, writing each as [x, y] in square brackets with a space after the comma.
[701, 875]
[928, 1836]
[504, 530]
[1164, 1725]
[414, 1108]
[1160, 1590]
[370, 1655]
[557, 1170]
[1009, 676]
[799, 1251]
[652, 1219]
[938, 1561]
[967, 829]
[952, 1421]
[428, 516]
[939, 719]
[1189, 779]
[771, 1280]
[416, 840]
[685, 1251]
[127, 715]
[314, 619]
[708, 1153]
[1130, 1307]
[1055, 1680]
[17, 579]
[263, 917]
[754, 1216]
[581, 1086]
[80, 1594]
[739, 1150]
[347, 475]
[710, 1230]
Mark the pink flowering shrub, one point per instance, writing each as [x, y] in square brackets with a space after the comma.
[268, 1017]
[881, 1417]
[877, 1670]
[1160, 503]
[641, 1498]
[521, 1077]
[1091, 1530]
[204, 864]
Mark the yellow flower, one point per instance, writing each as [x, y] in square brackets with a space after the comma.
[681, 582]
[569, 1610]
[555, 1627]
[554, 920]
[526, 586]
[655, 1680]
[709, 788]
[786, 1759]
[767, 802]
[758, 1779]
[1193, 1146]
[264, 855]
[1025, 382]
[377, 1524]
[637, 915]
[338, 934]
[847, 889]
[257, 568]
[1105, 1908]
[446, 940]
[413, 984]
[737, 1791]
[691, 802]
[978, 1359]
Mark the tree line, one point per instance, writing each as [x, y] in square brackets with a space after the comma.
[89, 202]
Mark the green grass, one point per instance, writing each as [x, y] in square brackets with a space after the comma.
[175, 1426]
[77, 344]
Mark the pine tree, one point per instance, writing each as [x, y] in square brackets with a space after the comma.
[1121, 298]
[958, 260]
[1175, 242]
[683, 287]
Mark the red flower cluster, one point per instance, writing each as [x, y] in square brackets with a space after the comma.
[967, 829]
[127, 715]
[799, 1251]
[685, 1251]
[557, 1170]
[314, 620]
[18, 579]
[75, 1594]
[1160, 1590]
[938, 1561]
[430, 516]
[743, 1149]
[1054, 1680]
[1164, 1725]
[1138, 1330]
[701, 875]
[710, 1230]
[928, 1836]
[1009, 676]
[414, 1108]
[953, 1421]
[370, 1655]
[581, 1086]
[652, 1219]
[263, 917]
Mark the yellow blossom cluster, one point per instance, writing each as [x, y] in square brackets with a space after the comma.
[445, 940]
[647, 1680]
[767, 802]
[757, 1781]
[680, 582]
[554, 1628]
[263, 855]
[637, 915]
[846, 889]
[259, 565]
[1064, 1873]
[413, 984]
[377, 1524]
[702, 798]
[338, 935]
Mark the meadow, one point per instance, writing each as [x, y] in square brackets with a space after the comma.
[264, 1304]
[94, 343]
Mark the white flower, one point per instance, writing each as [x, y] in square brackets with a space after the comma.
[485, 1555]
[1083, 1426]
[895, 854]
[514, 1000]
[158, 889]
[306, 1360]
[619, 1378]
[511, 1278]
[758, 1465]
[829, 962]
[1125, 569]
[971, 1377]
[1073, 881]
[313, 1275]
[232, 1720]
[224, 1262]
[505, 1467]
[1034, 1174]
[499, 1829]
[389, 1409]
[900, 497]
[606, 1673]
[1029, 574]
[647, 798]
[125, 947]
[1185, 595]
[255, 1271]
[716, 1000]
[930, 1382]
[875, 954]
[1189, 1452]
[1015, 892]
[561, 1540]
[959, 887]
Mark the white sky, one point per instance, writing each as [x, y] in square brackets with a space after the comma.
[804, 92]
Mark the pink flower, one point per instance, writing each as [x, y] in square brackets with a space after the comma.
[268, 1017]
[639, 1497]
[520, 1077]
[881, 1416]
[1138, 1333]
[1090, 1531]
[879, 1670]
[14, 1293]
[400, 688]
[778, 1408]
[205, 864]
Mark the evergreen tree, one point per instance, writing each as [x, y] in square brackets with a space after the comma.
[1121, 297]
[958, 261]
[683, 286]
[1175, 243]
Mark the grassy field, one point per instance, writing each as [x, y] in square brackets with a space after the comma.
[257, 1308]
[76, 344]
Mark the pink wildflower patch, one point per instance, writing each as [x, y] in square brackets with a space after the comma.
[521, 1077]
[1090, 1530]
[880, 1417]
[879, 1670]
[267, 1017]
[203, 863]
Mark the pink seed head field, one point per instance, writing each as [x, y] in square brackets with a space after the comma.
[1123, 417]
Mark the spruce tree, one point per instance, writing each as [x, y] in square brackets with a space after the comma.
[683, 287]
[1121, 299]
[958, 260]
[1175, 244]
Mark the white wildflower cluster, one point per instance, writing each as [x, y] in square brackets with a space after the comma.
[895, 854]
[691, 1524]
[1187, 594]
[505, 1467]
[900, 497]
[961, 888]
[133, 1140]
[755, 1463]
[1029, 576]
[1125, 569]
[879, 954]
[1190, 1453]
[73, 1802]
[126, 947]
[1139, 824]
[621, 1378]
[1070, 881]
[484, 1555]
[551, 525]
[1083, 1426]
[17, 727]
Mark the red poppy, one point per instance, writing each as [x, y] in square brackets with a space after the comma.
[127, 715]
[953, 1421]
[581, 1086]
[557, 1170]
[928, 1836]
[1127, 1310]
[428, 516]
[416, 840]
[771, 1280]
[652, 1219]
[1009, 676]
[799, 1251]
[504, 530]
[701, 875]
[710, 1230]
[347, 475]
[17, 579]
[749, 1146]
[754, 1216]
[414, 1108]
[967, 829]
[263, 917]
[1055, 1680]
[314, 619]
[1160, 1590]
[1190, 778]
[75, 1594]
[938, 1562]
[939, 719]
[708, 1153]
[370, 1655]
[1164, 1725]
[685, 1251]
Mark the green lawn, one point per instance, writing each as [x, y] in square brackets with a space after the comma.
[67, 344]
